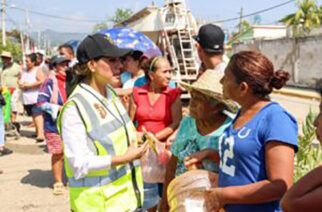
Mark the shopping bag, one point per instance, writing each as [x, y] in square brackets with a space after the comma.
[154, 162]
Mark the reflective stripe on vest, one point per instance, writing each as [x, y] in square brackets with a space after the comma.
[98, 181]
[108, 134]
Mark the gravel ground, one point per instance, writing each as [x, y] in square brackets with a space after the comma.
[26, 182]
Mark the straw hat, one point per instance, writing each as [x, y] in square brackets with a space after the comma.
[6, 54]
[209, 85]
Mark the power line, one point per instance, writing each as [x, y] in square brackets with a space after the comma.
[56, 16]
[96, 20]
[254, 13]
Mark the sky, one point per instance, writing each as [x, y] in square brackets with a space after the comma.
[97, 10]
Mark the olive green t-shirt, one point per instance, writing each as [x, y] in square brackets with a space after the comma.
[9, 75]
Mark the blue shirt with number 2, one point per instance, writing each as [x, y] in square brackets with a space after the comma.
[242, 151]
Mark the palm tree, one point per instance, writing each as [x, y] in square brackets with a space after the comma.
[320, 14]
[304, 19]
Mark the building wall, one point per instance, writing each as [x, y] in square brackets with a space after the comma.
[269, 32]
[301, 57]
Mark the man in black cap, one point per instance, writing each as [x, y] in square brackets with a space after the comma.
[210, 46]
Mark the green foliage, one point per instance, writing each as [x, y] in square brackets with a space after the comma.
[308, 155]
[244, 26]
[121, 15]
[307, 17]
[246, 32]
[15, 34]
[320, 14]
[99, 26]
[13, 47]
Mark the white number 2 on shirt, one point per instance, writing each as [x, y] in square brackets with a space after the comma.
[228, 153]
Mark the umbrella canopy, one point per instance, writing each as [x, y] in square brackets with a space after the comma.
[74, 44]
[128, 38]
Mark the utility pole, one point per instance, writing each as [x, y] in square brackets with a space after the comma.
[28, 47]
[240, 20]
[39, 40]
[3, 10]
[22, 39]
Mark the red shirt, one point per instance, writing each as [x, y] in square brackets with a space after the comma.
[154, 117]
[61, 79]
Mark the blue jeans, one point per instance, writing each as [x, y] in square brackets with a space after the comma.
[151, 195]
[2, 131]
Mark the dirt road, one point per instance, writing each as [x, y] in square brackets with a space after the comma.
[26, 182]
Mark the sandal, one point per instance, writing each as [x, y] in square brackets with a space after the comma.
[59, 188]
[5, 151]
[39, 140]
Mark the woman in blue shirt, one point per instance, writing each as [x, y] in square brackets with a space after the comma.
[257, 150]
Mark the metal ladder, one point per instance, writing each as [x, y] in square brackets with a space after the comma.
[171, 51]
[187, 61]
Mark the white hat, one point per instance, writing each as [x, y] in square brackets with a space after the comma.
[6, 54]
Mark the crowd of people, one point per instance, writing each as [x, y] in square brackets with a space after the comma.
[104, 111]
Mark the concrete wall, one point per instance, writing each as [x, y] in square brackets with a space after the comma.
[302, 57]
[269, 32]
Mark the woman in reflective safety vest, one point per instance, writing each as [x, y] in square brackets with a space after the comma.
[99, 138]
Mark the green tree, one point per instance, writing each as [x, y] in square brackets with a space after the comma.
[121, 15]
[12, 46]
[244, 32]
[320, 14]
[244, 26]
[307, 17]
[99, 26]
[15, 33]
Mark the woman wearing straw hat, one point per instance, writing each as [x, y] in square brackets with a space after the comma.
[98, 136]
[199, 132]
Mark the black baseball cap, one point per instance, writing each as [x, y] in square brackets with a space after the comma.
[96, 46]
[58, 59]
[211, 38]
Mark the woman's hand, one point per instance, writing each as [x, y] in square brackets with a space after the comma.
[139, 137]
[171, 139]
[196, 158]
[22, 86]
[213, 199]
[134, 152]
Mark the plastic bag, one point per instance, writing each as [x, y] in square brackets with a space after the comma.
[154, 165]
[7, 107]
[186, 192]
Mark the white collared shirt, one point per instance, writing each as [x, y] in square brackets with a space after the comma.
[78, 148]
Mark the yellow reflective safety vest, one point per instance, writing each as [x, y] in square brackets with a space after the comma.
[109, 127]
